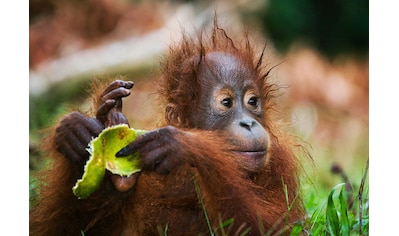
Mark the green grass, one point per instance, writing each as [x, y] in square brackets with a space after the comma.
[341, 211]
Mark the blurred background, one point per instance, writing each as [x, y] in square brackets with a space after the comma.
[324, 74]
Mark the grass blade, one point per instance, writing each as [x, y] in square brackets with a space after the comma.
[360, 196]
[332, 216]
[345, 227]
[197, 189]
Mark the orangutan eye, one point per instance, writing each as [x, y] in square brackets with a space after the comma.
[253, 101]
[227, 102]
[224, 100]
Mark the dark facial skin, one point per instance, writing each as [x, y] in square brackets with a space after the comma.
[232, 103]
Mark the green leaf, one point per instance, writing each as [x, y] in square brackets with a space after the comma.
[103, 150]
[332, 217]
[345, 227]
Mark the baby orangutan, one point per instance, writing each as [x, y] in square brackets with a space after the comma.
[218, 156]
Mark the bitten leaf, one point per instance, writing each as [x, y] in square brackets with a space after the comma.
[102, 156]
